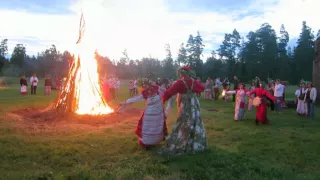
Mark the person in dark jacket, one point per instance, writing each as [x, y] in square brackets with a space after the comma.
[23, 85]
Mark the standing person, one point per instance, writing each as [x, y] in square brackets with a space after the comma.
[310, 99]
[117, 87]
[208, 90]
[271, 86]
[34, 83]
[300, 94]
[251, 88]
[47, 85]
[106, 88]
[151, 128]
[188, 135]
[23, 85]
[58, 83]
[261, 96]
[257, 82]
[235, 87]
[278, 93]
[131, 90]
[217, 83]
[111, 83]
[198, 81]
[226, 87]
[239, 108]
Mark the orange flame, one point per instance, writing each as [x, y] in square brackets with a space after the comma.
[87, 85]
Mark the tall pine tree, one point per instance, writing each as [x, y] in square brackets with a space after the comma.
[304, 54]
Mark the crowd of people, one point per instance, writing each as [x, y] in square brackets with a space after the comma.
[189, 135]
[48, 85]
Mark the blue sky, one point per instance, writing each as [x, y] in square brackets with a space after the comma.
[144, 26]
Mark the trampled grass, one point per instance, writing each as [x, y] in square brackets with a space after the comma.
[287, 149]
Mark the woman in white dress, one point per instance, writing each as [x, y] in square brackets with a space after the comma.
[301, 105]
[151, 128]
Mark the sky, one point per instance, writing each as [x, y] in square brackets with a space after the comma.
[143, 27]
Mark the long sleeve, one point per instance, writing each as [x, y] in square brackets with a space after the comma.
[230, 92]
[314, 97]
[173, 90]
[134, 99]
[297, 93]
[252, 92]
[270, 96]
[31, 80]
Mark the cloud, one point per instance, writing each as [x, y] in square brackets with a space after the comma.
[143, 27]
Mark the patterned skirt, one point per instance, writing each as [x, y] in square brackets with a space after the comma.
[188, 134]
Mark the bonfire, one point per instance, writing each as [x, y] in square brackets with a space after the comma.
[81, 92]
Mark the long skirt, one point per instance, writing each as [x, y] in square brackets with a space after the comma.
[250, 104]
[23, 90]
[188, 134]
[239, 111]
[302, 107]
[151, 128]
[261, 114]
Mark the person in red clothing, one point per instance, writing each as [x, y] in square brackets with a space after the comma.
[261, 113]
[188, 135]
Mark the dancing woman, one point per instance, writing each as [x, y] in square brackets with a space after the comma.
[188, 135]
[240, 95]
[262, 95]
[152, 128]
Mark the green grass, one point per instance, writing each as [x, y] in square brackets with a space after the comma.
[287, 149]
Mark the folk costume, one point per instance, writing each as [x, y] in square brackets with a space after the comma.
[301, 105]
[240, 102]
[310, 99]
[151, 128]
[23, 85]
[188, 134]
[217, 83]
[208, 90]
[261, 113]
[226, 87]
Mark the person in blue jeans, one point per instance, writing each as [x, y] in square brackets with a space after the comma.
[278, 93]
[310, 98]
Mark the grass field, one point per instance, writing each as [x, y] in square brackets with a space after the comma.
[289, 148]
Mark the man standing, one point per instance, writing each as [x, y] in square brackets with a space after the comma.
[278, 93]
[217, 83]
[34, 83]
[235, 87]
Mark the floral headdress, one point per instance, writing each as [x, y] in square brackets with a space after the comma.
[186, 70]
[303, 82]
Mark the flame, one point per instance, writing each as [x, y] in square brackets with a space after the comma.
[82, 92]
[88, 91]
[223, 93]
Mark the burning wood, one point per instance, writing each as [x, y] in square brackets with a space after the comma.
[81, 93]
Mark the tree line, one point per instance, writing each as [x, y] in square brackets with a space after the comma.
[262, 53]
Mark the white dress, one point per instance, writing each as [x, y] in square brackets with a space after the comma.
[150, 128]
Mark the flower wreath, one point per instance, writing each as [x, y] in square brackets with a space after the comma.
[186, 70]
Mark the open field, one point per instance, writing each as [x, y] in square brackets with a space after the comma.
[287, 149]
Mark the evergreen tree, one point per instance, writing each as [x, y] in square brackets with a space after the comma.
[182, 55]
[304, 54]
[18, 55]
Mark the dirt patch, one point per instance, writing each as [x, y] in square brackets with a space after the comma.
[48, 121]
[212, 109]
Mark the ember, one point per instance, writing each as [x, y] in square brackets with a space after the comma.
[81, 92]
